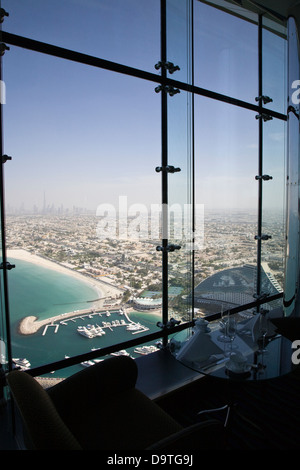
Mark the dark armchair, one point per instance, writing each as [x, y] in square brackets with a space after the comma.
[100, 408]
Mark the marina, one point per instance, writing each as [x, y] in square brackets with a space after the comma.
[97, 329]
[91, 330]
[48, 329]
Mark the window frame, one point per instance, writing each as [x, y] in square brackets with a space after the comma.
[164, 80]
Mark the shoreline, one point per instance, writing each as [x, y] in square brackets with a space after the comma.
[31, 324]
[102, 289]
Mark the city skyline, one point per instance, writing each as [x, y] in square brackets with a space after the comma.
[73, 241]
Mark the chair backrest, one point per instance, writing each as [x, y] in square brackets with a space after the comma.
[42, 423]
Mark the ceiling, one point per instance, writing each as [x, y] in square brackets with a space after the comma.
[284, 8]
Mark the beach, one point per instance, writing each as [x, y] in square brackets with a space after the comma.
[103, 288]
[30, 324]
[103, 291]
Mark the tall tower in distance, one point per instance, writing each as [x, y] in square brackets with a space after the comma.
[44, 204]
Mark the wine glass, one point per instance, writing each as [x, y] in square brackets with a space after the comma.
[231, 330]
[263, 330]
[224, 338]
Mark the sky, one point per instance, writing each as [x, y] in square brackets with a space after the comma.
[81, 136]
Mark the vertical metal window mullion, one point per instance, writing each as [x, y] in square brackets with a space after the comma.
[193, 162]
[6, 318]
[260, 162]
[164, 163]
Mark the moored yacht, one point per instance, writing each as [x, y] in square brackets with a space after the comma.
[23, 363]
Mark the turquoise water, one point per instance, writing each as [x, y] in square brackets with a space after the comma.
[41, 292]
[35, 290]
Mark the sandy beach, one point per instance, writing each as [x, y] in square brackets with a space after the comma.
[103, 289]
[30, 324]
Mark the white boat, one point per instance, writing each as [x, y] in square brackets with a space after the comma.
[134, 327]
[107, 314]
[87, 363]
[122, 352]
[23, 363]
[90, 331]
[82, 330]
[3, 359]
[143, 350]
[99, 331]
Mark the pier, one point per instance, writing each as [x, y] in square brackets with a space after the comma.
[56, 326]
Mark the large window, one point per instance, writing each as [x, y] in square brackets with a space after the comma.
[223, 63]
[240, 157]
[226, 163]
[147, 180]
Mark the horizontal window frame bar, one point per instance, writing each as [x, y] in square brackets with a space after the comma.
[226, 99]
[241, 308]
[75, 360]
[68, 54]
[79, 57]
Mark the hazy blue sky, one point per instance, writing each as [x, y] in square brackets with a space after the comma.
[84, 136]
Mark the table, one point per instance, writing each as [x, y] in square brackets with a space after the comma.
[201, 349]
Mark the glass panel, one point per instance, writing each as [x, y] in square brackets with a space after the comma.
[222, 63]
[3, 324]
[274, 45]
[179, 39]
[226, 163]
[179, 52]
[124, 32]
[3, 327]
[292, 248]
[80, 190]
[180, 205]
[273, 207]
[3, 321]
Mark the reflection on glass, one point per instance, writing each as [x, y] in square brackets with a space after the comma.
[3, 314]
[124, 32]
[292, 251]
[179, 39]
[273, 206]
[224, 63]
[226, 164]
[180, 205]
[79, 195]
[274, 45]
[3, 326]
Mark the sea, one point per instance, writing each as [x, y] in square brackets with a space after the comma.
[37, 291]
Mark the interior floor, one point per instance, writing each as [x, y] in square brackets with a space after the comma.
[263, 414]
